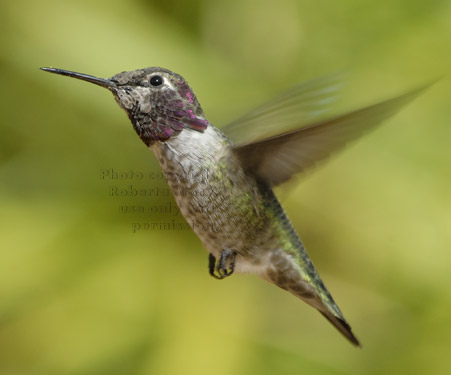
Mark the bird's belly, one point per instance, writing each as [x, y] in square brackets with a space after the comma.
[222, 223]
[219, 201]
[211, 215]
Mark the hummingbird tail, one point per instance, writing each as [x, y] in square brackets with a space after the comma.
[343, 327]
[327, 308]
[286, 274]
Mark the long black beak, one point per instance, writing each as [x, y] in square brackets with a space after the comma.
[84, 77]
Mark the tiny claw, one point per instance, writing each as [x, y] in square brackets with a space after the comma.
[211, 266]
[227, 257]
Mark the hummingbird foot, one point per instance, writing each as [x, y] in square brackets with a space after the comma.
[224, 267]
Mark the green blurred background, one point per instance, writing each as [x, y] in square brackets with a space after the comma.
[81, 294]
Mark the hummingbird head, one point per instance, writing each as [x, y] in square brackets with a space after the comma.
[159, 103]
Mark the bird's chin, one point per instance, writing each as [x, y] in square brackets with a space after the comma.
[151, 133]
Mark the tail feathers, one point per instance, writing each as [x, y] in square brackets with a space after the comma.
[342, 326]
[286, 274]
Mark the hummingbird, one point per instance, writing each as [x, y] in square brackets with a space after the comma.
[228, 176]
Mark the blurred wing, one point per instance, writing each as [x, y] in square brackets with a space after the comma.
[277, 158]
[300, 105]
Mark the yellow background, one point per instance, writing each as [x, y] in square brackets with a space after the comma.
[81, 294]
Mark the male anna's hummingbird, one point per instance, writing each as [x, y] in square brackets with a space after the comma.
[228, 185]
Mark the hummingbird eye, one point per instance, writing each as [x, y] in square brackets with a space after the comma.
[156, 81]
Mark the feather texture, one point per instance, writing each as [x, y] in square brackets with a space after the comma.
[276, 159]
